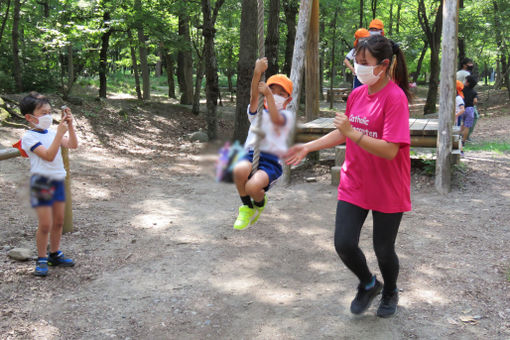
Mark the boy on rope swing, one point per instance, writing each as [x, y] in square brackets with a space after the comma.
[276, 125]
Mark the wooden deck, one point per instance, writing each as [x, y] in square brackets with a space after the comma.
[423, 131]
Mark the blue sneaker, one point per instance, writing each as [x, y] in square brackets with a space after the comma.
[41, 266]
[60, 260]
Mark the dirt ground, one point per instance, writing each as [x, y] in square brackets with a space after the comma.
[157, 257]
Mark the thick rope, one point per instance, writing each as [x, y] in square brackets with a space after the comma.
[258, 129]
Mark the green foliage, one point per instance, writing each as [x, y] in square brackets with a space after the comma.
[498, 147]
[45, 38]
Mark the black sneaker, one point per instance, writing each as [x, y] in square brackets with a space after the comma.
[364, 297]
[388, 305]
[60, 260]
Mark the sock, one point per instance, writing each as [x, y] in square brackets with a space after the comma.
[42, 258]
[261, 203]
[54, 254]
[247, 201]
[371, 284]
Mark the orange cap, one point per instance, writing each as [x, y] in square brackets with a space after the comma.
[283, 81]
[377, 24]
[360, 33]
[460, 87]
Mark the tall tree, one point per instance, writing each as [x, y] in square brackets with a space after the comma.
[142, 50]
[361, 9]
[134, 63]
[185, 59]
[103, 54]
[502, 51]
[5, 20]
[272, 37]
[247, 57]
[211, 65]
[16, 65]
[290, 8]
[433, 37]
[373, 7]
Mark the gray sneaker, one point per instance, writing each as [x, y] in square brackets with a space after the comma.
[388, 304]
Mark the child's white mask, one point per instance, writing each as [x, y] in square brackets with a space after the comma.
[44, 122]
[279, 101]
[366, 74]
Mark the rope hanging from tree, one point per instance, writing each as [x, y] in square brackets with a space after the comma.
[258, 130]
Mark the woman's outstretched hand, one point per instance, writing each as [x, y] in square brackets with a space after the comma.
[295, 154]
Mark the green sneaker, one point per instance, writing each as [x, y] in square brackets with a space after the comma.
[258, 211]
[245, 215]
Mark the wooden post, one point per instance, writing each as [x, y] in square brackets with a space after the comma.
[447, 94]
[68, 216]
[296, 72]
[312, 65]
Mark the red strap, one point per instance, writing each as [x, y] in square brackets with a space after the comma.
[17, 145]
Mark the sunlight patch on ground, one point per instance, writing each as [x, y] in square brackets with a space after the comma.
[154, 214]
[428, 296]
[323, 266]
[43, 330]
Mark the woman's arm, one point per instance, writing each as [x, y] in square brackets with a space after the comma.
[299, 151]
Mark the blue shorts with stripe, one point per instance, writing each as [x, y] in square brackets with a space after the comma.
[268, 163]
[45, 191]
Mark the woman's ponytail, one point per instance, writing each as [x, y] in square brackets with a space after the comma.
[398, 71]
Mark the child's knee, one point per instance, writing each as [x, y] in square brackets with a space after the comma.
[254, 187]
[242, 171]
[44, 227]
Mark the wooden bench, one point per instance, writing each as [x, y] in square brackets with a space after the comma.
[423, 140]
[339, 94]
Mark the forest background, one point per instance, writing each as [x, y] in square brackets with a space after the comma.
[196, 49]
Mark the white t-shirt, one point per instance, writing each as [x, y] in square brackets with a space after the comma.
[462, 74]
[351, 54]
[275, 141]
[38, 166]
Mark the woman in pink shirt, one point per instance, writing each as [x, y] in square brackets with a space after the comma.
[376, 171]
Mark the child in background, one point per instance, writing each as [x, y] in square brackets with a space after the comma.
[276, 124]
[47, 192]
[376, 27]
[459, 102]
[470, 115]
[359, 34]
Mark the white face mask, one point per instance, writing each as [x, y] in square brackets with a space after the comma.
[375, 32]
[279, 101]
[44, 122]
[366, 74]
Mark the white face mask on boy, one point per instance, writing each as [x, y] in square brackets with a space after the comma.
[279, 101]
[366, 74]
[44, 122]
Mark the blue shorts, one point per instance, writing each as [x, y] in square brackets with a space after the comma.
[268, 163]
[468, 117]
[45, 192]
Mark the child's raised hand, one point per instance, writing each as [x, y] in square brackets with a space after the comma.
[264, 89]
[261, 65]
[62, 127]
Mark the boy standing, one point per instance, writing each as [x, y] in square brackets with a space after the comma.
[47, 192]
[276, 124]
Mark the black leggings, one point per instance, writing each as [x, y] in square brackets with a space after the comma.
[349, 220]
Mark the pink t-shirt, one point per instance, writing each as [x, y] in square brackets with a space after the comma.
[369, 181]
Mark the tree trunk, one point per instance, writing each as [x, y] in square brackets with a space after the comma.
[159, 64]
[5, 20]
[272, 38]
[143, 53]
[390, 26]
[290, 8]
[198, 86]
[185, 61]
[332, 74]
[247, 57]
[16, 65]
[361, 13]
[500, 42]
[70, 72]
[134, 64]
[420, 62]
[321, 62]
[399, 7]
[433, 36]
[311, 62]
[103, 55]
[373, 6]
[211, 65]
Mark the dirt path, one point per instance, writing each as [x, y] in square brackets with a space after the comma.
[157, 257]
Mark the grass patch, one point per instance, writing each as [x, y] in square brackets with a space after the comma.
[498, 147]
